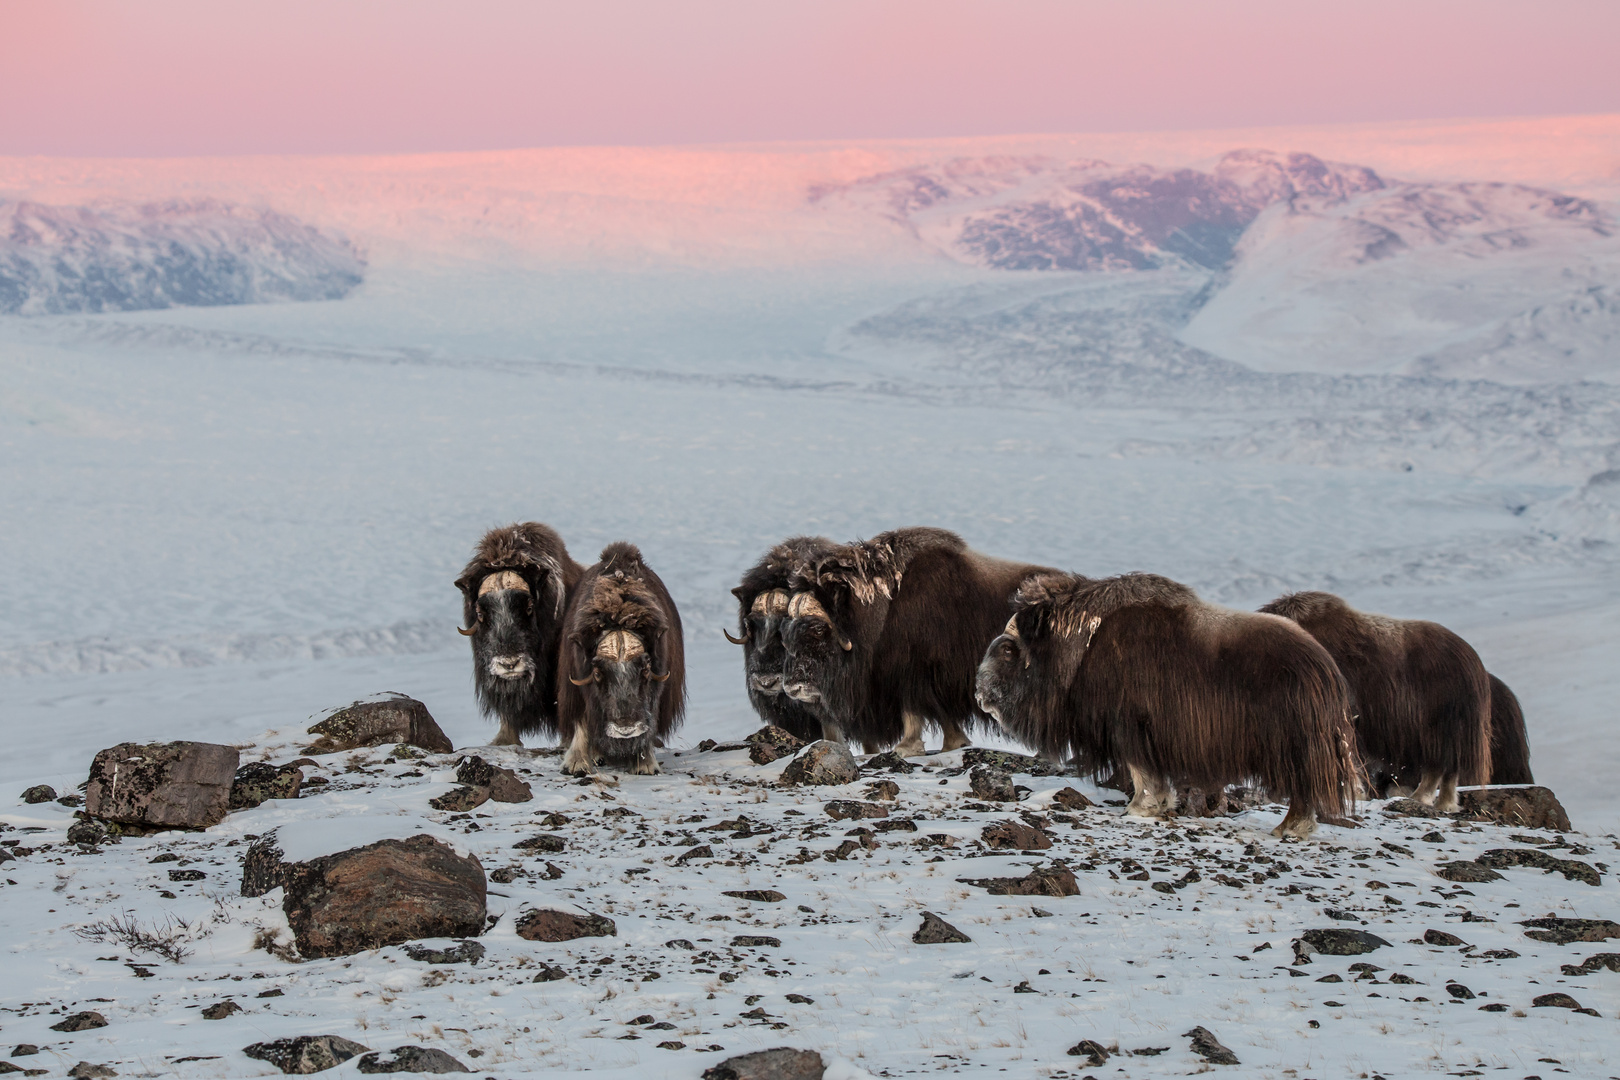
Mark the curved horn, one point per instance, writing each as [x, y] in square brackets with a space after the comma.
[467, 633]
[587, 679]
[660, 678]
[734, 640]
[846, 643]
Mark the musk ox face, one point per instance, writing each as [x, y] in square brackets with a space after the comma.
[506, 637]
[1004, 675]
[763, 652]
[815, 651]
[622, 689]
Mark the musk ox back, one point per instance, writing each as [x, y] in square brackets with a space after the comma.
[762, 605]
[1420, 696]
[513, 595]
[1137, 671]
[887, 633]
[622, 666]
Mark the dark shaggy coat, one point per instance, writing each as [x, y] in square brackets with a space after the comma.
[1420, 695]
[1510, 746]
[1137, 671]
[762, 600]
[622, 664]
[518, 628]
[898, 625]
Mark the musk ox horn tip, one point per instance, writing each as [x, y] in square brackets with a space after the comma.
[734, 640]
[467, 633]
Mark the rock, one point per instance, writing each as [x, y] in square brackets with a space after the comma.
[992, 784]
[1572, 869]
[86, 1071]
[1042, 881]
[381, 894]
[771, 742]
[850, 809]
[1459, 991]
[25, 1050]
[502, 785]
[1335, 942]
[782, 1063]
[220, 1010]
[1528, 807]
[890, 761]
[1441, 938]
[1208, 1047]
[1095, 1053]
[1555, 1001]
[1472, 872]
[1010, 763]
[822, 762]
[1565, 931]
[548, 924]
[306, 1053]
[86, 831]
[80, 1021]
[462, 952]
[755, 941]
[1411, 808]
[936, 931]
[549, 973]
[39, 793]
[413, 1059]
[1070, 799]
[883, 791]
[1015, 835]
[460, 800]
[548, 842]
[258, 781]
[183, 785]
[372, 723]
[759, 896]
[1594, 963]
[262, 866]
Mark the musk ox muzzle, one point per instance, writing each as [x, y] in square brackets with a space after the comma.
[511, 667]
[766, 684]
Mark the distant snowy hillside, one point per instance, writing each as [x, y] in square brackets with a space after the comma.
[71, 259]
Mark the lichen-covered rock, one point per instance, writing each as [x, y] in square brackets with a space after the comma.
[889, 761]
[1070, 799]
[936, 931]
[1572, 869]
[853, 809]
[1335, 942]
[396, 719]
[1410, 808]
[80, 1021]
[1009, 763]
[1016, 836]
[1208, 1047]
[306, 1053]
[823, 762]
[1565, 931]
[1594, 963]
[1527, 807]
[183, 785]
[501, 784]
[258, 781]
[770, 743]
[367, 897]
[1462, 871]
[992, 784]
[411, 1059]
[546, 924]
[461, 799]
[1042, 881]
[462, 952]
[781, 1063]
[39, 793]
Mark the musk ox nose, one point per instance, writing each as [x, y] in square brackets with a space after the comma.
[509, 667]
[800, 691]
[766, 684]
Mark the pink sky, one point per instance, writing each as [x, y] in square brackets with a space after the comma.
[184, 77]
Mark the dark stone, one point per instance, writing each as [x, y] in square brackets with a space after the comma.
[262, 867]
[890, 761]
[184, 785]
[306, 1053]
[883, 791]
[1095, 1053]
[1016, 836]
[397, 719]
[1528, 807]
[412, 1059]
[1335, 942]
[850, 809]
[259, 781]
[505, 875]
[771, 742]
[1411, 808]
[1042, 881]
[1555, 1001]
[86, 831]
[782, 1063]
[1332, 977]
[1070, 799]
[1459, 991]
[936, 931]
[25, 1050]
[822, 763]
[382, 894]
[1208, 1047]
[1565, 931]
[1573, 870]
[1469, 872]
[462, 799]
[80, 1021]
[759, 896]
[39, 793]
[84, 1070]
[1594, 963]
[1495, 1006]
[1404, 980]
[992, 784]
[548, 842]
[502, 785]
[462, 952]
[1010, 763]
[186, 875]
[550, 973]
[547, 924]
[701, 851]
[755, 941]
[1440, 937]
[220, 1010]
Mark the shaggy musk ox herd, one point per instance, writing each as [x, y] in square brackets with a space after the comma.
[873, 641]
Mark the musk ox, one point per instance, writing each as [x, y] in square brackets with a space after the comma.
[1510, 746]
[621, 666]
[513, 595]
[1137, 671]
[885, 634]
[762, 604]
[1419, 694]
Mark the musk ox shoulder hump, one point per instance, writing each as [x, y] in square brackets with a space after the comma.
[621, 556]
[519, 546]
[1103, 596]
[876, 566]
[1307, 605]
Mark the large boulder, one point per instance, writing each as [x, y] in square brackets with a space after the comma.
[395, 719]
[782, 1063]
[385, 893]
[184, 785]
[1052, 880]
[822, 762]
[1527, 807]
[306, 1053]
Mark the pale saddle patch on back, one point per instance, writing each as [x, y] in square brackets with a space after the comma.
[503, 579]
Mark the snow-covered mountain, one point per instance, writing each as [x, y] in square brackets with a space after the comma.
[132, 257]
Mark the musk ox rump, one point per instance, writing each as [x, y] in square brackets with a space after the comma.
[1510, 745]
[514, 592]
[622, 666]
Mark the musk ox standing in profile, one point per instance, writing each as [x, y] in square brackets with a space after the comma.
[622, 666]
[1419, 693]
[513, 595]
[885, 634]
[762, 605]
[1137, 671]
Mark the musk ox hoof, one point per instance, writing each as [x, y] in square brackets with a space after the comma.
[647, 766]
[910, 748]
[578, 763]
[1300, 828]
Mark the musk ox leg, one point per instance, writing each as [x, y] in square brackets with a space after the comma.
[955, 739]
[646, 764]
[579, 761]
[831, 731]
[911, 744]
[1299, 823]
[1447, 802]
[507, 736]
[1153, 798]
[1428, 787]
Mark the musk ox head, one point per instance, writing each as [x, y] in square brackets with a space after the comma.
[762, 640]
[1027, 672]
[823, 668]
[762, 606]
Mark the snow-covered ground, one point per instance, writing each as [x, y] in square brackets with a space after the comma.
[219, 522]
